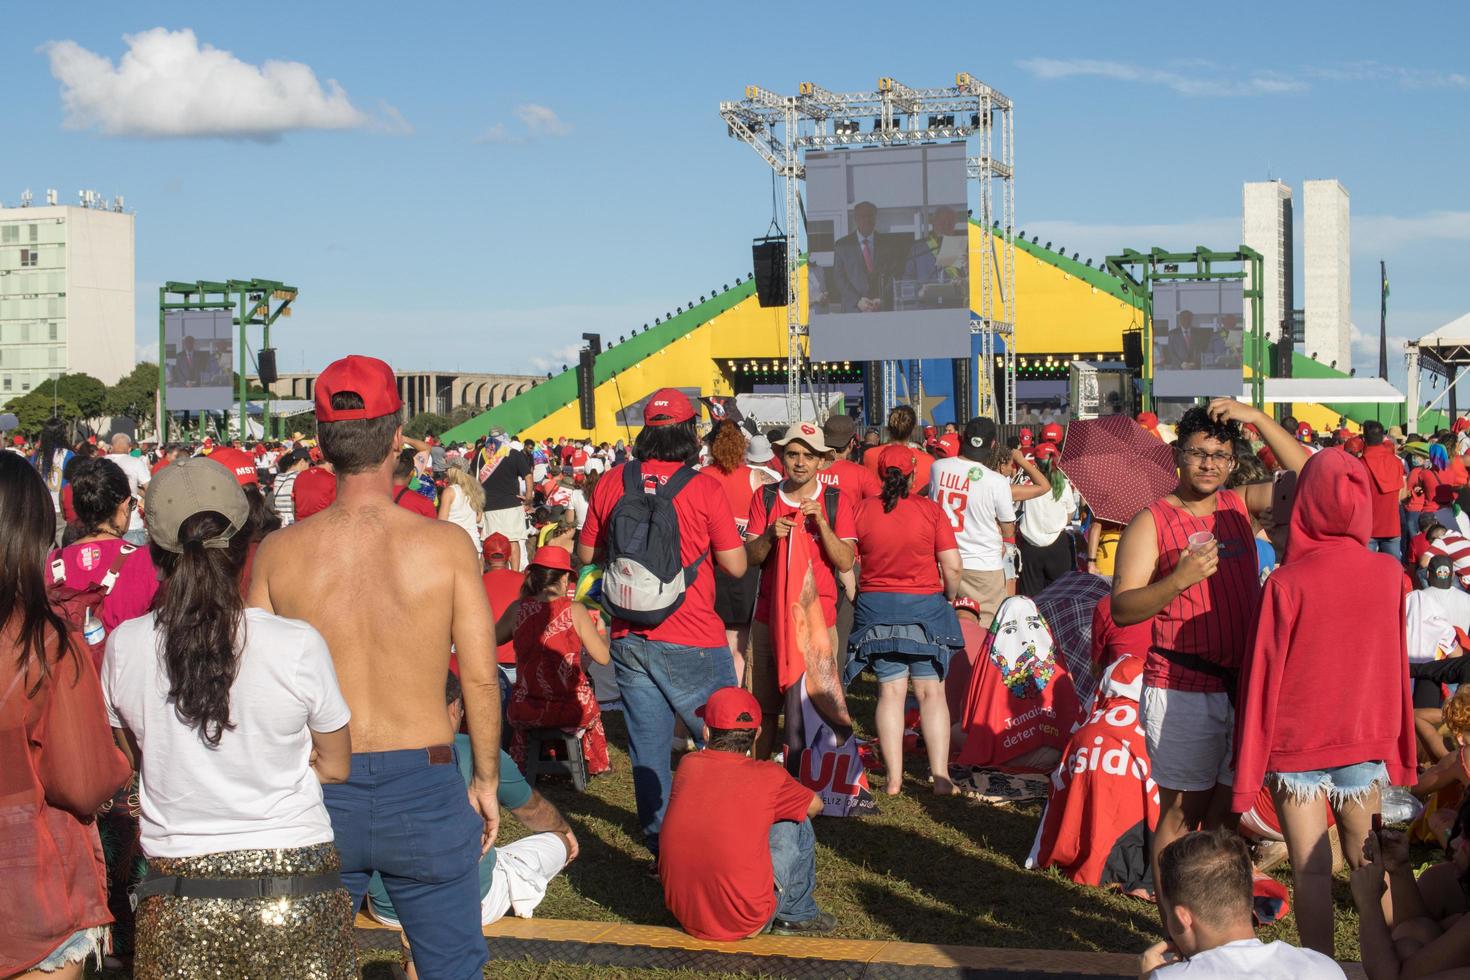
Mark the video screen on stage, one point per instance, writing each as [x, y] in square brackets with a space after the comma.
[1198, 338]
[198, 349]
[887, 234]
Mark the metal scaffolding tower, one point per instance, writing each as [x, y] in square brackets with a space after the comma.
[779, 127]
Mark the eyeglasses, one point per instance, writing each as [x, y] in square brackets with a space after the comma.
[1201, 457]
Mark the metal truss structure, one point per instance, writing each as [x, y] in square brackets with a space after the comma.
[779, 127]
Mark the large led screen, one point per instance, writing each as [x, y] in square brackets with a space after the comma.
[1198, 338]
[887, 235]
[198, 349]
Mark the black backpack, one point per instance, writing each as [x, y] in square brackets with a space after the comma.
[644, 579]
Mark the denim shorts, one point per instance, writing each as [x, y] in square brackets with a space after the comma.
[898, 666]
[76, 948]
[1342, 784]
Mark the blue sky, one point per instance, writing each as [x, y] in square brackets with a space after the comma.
[472, 186]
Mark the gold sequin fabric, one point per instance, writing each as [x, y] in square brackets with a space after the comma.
[306, 938]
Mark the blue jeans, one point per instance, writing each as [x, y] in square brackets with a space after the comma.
[412, 823]
[657, 681]
[794, 865]
[1387, 546]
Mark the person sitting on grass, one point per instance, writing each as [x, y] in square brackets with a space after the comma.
[737, 853]
[1410, 927]
[514, 876]
[1204, 892]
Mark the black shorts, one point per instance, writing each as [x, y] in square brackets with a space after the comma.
[735, 598]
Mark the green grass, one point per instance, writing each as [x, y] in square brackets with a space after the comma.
[925, 869]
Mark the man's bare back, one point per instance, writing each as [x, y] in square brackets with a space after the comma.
[389, 590]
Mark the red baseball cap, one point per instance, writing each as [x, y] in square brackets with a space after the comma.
[1460, 424]
[554, 557]
[667, 406]
[1051, 432]
[966, 603]
[237, 462]
[313, 491]
[1304, 431]
[367, 377]
[895, 457]
[730, 709]
[1047, 450]
[496, 545]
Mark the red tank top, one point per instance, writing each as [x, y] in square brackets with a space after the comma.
[1211, 619]
[738, 489]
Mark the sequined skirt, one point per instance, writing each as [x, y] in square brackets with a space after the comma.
[309, 937]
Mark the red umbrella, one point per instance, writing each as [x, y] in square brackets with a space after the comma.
[1117, 466]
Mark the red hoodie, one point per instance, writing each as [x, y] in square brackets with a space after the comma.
[1387, 472]
[1325, 681]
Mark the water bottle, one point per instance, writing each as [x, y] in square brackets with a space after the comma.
[93, 631]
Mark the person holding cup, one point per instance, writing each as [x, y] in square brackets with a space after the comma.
[1188, 564]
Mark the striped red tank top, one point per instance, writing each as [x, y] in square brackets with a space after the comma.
[1211, 619]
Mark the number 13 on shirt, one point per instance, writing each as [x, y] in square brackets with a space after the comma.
[954, 503]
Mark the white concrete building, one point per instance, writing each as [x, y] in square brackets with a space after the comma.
[66, 295]
[1266, 226]
[1326, 274]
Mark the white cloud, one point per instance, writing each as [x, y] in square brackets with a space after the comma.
[537, 121]
[1384, 233]
[555, 360]
[1198, 77]
[1201, 78]
[168, 84]
[146, 352]
[541, 121]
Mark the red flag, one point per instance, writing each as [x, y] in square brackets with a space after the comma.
[800, 633]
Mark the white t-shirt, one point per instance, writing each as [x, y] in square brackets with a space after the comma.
[1045, 517]
[1253, 959]
[976, 499]
[138, 475]
[256, 788]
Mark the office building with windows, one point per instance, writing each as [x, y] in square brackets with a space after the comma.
[66, 293]
[1266, 226]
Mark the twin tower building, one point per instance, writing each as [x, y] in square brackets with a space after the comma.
[1321, 327]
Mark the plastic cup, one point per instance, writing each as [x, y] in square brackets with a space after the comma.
[1199, 539]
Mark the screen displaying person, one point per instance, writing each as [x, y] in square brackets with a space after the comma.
[193, 368]
[862, 263]
[923, 260]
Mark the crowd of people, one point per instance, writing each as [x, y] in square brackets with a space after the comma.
[287, 678]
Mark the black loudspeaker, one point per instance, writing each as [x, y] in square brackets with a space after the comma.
[586, 388]
[770, 270]
[964, 395]
[873, 392]
[265, 366]
[1133, 349]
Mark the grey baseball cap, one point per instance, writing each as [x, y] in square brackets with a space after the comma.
[188, 487]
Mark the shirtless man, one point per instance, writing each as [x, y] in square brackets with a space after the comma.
[390, 591]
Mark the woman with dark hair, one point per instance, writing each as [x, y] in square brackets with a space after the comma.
[550, 632]
[68, 509]
[104, 503]
[51, 458]
[58, 763]
[904, 627]
[735, 597]
[243, 879]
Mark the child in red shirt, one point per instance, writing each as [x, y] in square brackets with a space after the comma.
[737, 854]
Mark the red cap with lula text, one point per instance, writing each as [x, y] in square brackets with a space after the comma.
[667, 406]
[731, 709]
[367, 377]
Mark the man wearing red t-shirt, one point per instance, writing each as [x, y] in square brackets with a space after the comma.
[669, 669]
[739, 852]
[314, 491]
[800, 498]
[855, 481]
[502, 587]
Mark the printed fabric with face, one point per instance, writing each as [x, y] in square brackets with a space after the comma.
[1020, 646]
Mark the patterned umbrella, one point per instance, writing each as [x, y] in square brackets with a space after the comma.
[1117, 467]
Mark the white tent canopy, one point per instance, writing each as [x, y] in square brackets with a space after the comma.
[1338, 391]
[1445, 351]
